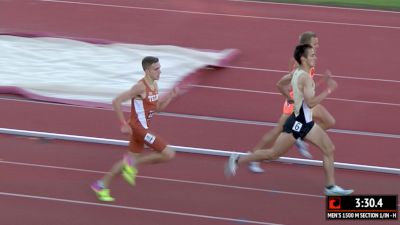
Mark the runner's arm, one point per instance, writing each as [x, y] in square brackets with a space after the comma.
[309, 94]
[162, 103]
[283, 85]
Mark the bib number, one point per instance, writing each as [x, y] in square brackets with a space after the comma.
[149, 138]
[297, 126]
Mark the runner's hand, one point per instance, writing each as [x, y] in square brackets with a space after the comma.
[329, 81]
[126, 129]
[175, 92]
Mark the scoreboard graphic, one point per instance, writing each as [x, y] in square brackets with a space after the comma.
[362, 207]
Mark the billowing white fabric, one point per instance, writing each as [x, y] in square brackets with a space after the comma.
[69, 69]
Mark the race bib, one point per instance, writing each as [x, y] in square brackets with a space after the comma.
[149, 138]
[297, 126]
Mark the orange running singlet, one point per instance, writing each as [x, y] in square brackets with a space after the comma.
[141, 112]
[142, 109]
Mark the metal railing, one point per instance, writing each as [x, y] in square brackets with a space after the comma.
[214, 152]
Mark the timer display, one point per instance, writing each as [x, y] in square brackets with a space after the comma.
[369, 202]
[378, 207]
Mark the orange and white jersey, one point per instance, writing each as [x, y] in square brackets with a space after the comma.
[143, 109]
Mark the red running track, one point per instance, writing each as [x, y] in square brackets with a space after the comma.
[190, 132]
[191, 184]
[365, 101]
[265, 33]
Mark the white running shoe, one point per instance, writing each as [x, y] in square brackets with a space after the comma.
[231, 165]
[337, 191]
[302, 147]
[255, 167]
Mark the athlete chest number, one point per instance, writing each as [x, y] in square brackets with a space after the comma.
[297, 126]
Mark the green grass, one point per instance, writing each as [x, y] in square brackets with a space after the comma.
[393, 5]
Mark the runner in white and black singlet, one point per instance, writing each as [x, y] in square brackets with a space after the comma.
[300, 123]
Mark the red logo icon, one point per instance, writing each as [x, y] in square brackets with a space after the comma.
[334, 203]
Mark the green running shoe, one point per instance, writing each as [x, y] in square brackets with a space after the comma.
[103, 194]
[129, 174]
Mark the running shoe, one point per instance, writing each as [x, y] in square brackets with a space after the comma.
[337, 191]
[129, 174]
[255, 167]
[102, 193]
[302, 147]
[128, 170]
[231, 165]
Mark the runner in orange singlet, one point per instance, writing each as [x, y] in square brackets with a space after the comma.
[145, 102]
[320, 115]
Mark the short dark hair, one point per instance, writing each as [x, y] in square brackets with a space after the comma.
[301, 50]
[305, 38]
[148, 61]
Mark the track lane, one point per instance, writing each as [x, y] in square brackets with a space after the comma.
[262, 107]
[266, 82]
[97, 159]
[239, 105]
[266, 53]
[201, 199]
[190, 132]
[88, 29]
[260, 10]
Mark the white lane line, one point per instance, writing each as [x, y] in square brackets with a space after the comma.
[224, 15]
[337, 76]
[36, 197]
[229, 89]
[212, 118]
[259, 123]
[169, 180]
[276, 93]
[194, 150]
[235, 67]
[316, 6]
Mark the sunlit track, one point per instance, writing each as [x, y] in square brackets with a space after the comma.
[225, 15]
